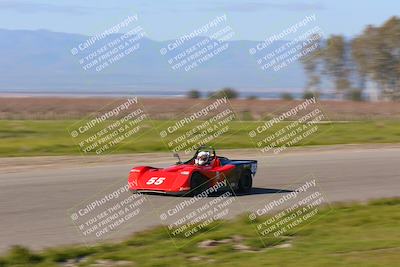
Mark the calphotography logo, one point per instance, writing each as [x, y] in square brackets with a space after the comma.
[200, 125]
[111, 128]
[191, 50]
[288, 52]
[288, 212]
[196, 215]
[107, 212]
[297, 125]
[110, 46]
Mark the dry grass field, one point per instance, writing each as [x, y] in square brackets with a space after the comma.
[44, 108]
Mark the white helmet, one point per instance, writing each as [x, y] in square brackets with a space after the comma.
[202, 158]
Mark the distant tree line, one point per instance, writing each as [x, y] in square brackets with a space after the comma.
[373, 55]
[228, 92]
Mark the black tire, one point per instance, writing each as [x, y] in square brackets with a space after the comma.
[245, 182]
[198, 184]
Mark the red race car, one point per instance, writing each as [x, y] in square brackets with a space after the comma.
[205, 170]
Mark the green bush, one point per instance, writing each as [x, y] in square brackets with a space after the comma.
[21, 255]
[286, 96]
[309, 94]
[355, 95]
[194, 94]
[228, 92]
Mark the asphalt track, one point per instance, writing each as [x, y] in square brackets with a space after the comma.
[36, 201]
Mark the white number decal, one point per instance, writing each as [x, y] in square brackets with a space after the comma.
[159, 181]
[156, 180]
[151, 180]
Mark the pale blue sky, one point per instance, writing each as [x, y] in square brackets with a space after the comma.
[168, 19]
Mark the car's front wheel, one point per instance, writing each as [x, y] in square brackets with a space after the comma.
[245, 182]
[198, 184]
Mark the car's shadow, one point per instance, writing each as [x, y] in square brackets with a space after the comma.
[254, 191]
[264, 191]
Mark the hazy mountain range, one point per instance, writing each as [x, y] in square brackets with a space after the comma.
[41, 61]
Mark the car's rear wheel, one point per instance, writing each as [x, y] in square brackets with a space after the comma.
[245, 182]
[198, 184]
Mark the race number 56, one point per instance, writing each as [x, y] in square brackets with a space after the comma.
[156, 180]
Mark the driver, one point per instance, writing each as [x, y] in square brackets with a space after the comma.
[203, 158]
